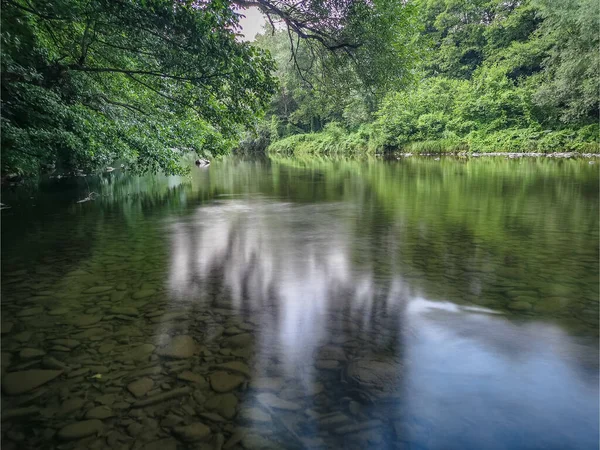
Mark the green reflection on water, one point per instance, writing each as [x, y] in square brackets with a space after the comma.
[518, 235]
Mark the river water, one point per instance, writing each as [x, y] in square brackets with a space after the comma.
[288, 303]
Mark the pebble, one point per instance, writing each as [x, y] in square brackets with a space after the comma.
[519, 306]
[235, 366]
[30, 311]
[6, 327]
[162, 397]
[144, 293]
[125, 311]
[85, 320]
[98, 289]
[224, 382]
[15, 383]
[72, 404]
[267, 384]
[49, 362]
[179, 347]
[81, 429]
[140, 387]
[193, 377]
[272, 401]
[99, 412]
[193, 432]
[28, 353]
[70, 343]
[255, 415]
[224, 404]
[23, 336]
[162, 444]
[240, 340]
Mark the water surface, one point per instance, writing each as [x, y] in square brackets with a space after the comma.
[284, 303]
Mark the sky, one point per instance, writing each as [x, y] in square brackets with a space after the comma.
[252, 24]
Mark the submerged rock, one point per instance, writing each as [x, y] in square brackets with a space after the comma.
[144, 293]
[162, 444]
[162, 397]
[225, 382]
[255, 415]
[379, 377]
[98, 289]
[141, 387]
[224, 404]
[6, 327]
[194, 432]
[81, 429]
[519, 305]
[99, 412]
[20, 382]
[239, 340]
[235, 366]
[193, 377]
[272, 401]
[179, 347]
[28, 353]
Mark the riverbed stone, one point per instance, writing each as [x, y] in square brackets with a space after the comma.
[70, 343]
[6, 327]
[519, 305]
[29, 353]
[60, 311]
[125, 311]
[255, 414]
[381, 377]
[144, 293]
[140, 387]
[30, 311]
[15, 383]
[235, 366]
[105, 348]
[138, 353]
[85, 320]
[224, 382]
[162, 444]
[239, 340]
[72, 404]
[272, 401]
[193, 432]
[193, 377]
[331, 352]
[99, 412]
[98, 289]
[224, 404]
[78, 430]
[23, 336]
[179, 347]
[267, 383]
[327, 364]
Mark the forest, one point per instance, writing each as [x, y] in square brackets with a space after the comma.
[147, 82]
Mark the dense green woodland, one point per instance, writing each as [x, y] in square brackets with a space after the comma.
[87, 83]
[482, 75]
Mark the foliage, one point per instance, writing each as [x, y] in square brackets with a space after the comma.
[495, 75]
[87, 82]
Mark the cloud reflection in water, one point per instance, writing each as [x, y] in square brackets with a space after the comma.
[469, 375]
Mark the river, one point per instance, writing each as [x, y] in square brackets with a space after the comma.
[290, 303]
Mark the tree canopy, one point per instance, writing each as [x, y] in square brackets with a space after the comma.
[88, 82]
[485, 75]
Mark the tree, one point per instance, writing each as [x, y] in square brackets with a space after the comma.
[87, 82]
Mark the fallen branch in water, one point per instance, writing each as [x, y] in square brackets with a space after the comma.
[90, 197]
[3, 206]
